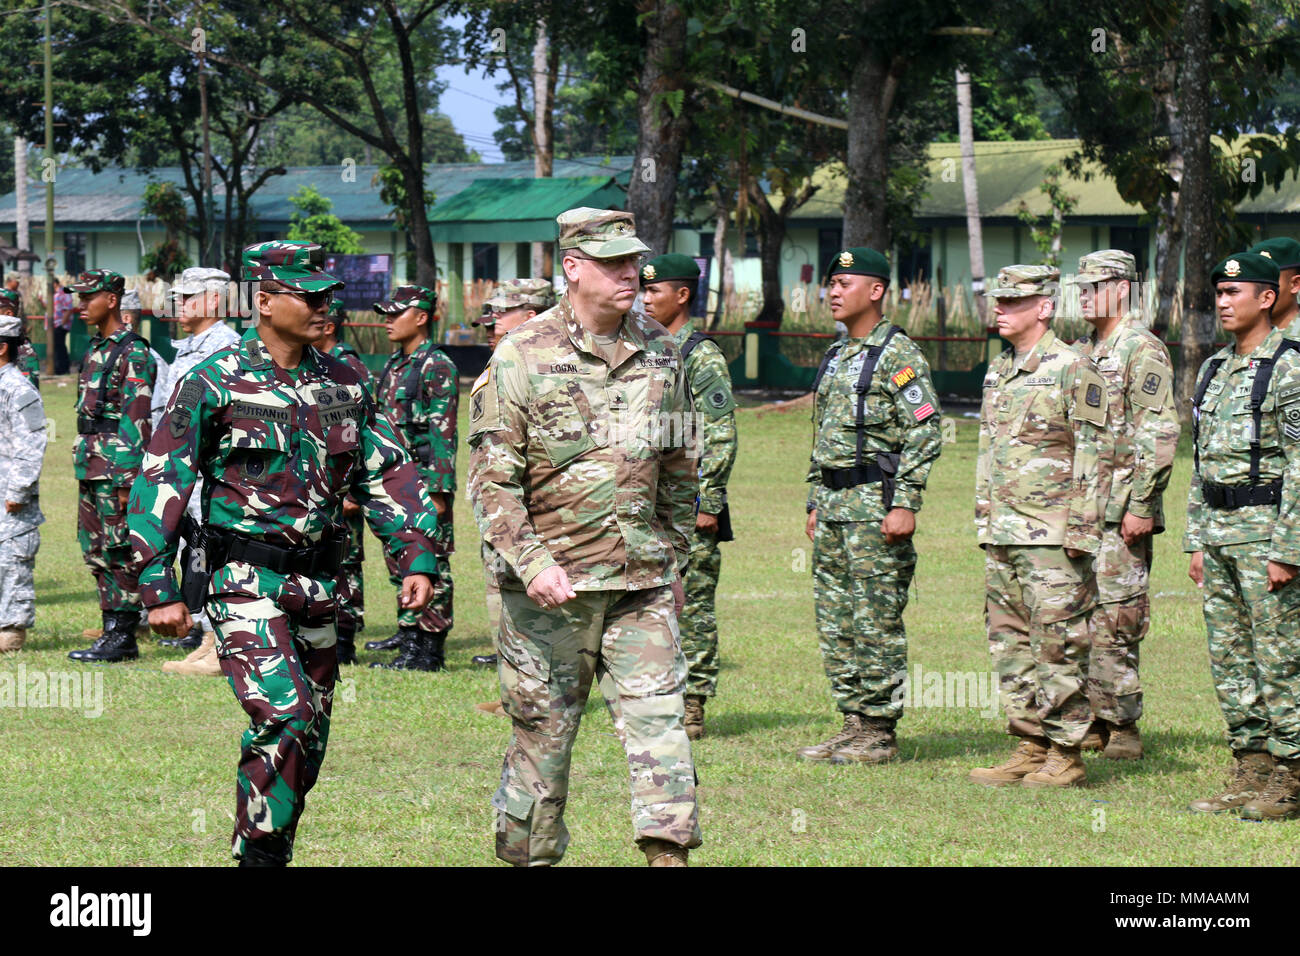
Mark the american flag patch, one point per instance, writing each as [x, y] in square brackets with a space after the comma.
[924, 412]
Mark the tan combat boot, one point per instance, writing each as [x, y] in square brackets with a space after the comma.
[202, 661]
[1063, 768]
[822, 752]
[694, 716]
[1029, 755]
[1123, 742]
[1247, 779]
[663, 853]
[493, 707]
[12, 639]
[875, 744]
[1096, 739]
[1280, 799]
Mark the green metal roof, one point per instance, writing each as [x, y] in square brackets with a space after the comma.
[518, 210]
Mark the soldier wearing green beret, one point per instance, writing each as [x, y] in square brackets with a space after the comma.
[1038, 519]
[27, 361]
[875, 438]
[1144, 427]
[1285, 254]
[1243, 533]
[668, 287]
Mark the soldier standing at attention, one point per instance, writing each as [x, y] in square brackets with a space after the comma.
[668, 285]
[1244, 539]
[28, 363]
[1285, 254]
[22, 452]
[279, 433]
[418, 390]
[349, 589]
[1144, 430]
[583, 485]
[114, 394]
[1038, 501]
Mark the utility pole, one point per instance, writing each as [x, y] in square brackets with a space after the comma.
[974, 234]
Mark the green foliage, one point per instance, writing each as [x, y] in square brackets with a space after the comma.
[1046, 233]
[312, 221]
[392, 190]
[164, 202]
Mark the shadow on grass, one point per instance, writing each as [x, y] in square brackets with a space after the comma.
[1166, 752]
[46, 596]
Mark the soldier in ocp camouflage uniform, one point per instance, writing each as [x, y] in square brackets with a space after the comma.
[1038, 501]
[1243, 532]
[114, 394]
[418, 389]
[583, 482]
[668, 288]
[875, 437]
[22, 451]
[280, 434]
[1144, 428]
[28, 363]
[1284, 252]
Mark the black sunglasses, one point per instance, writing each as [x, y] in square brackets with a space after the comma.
[315, 300]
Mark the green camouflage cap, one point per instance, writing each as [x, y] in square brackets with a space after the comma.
[98, 280]
[335, 309]
[669, 267]
[859, 261]
[1021, 281]
[1284, 251]
[599, 233]
[297, 264]
[1106, 265]
[407, 296]
[11, 327]
[1246, 267]
[10, 298]
[513, 293]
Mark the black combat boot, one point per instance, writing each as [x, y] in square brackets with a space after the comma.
[484, 660]
[347, 646]
[435, 645]
[270, 850]
[387, 644]
[187, 643]
[409, 653]
[117, 642]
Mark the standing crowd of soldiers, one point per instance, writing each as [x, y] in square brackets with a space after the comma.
[602, 439]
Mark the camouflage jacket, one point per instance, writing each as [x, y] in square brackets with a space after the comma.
[419, 392]
[710, 385]
[901, 416]
[1143, 418]
[115, 455]
[582, 464]
[190, 351]
[1223, 442]
[1042, 435]
[277, 450]
[349, 356]
[22, 451]
[29, 364]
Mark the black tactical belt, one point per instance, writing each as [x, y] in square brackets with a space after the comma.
[1241, 496]
[323, 557]
[838, 479]
[93, 425]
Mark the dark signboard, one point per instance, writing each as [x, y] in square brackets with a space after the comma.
[368, 279]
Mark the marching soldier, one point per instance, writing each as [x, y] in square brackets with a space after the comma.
[587, 501]
[668, 288]
[1244, 539]
[1285, 254]
[875, 437]
[22, 452]
[418, 389]
[114, 393]
[1144, 428]
[28, 363]
[1037, 514]
[280, 433]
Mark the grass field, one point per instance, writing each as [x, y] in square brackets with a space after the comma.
[411, 765]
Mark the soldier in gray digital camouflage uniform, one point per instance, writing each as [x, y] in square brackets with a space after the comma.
[22, 451]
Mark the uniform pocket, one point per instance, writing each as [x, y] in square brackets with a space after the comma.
[257, 453]
[564, 424]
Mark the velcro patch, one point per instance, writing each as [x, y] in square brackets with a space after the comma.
[913, 394]
[1214, 388]
[190, 395]
[1152, 386]
[1093, 396]
[1292, 431]
[337, 414]
[269, 413]
[924, 412]
[564, 368]
[1040, 380]
[33, 415]
[1090, 396]
[484, 405]
[656, 361]
[903, 376]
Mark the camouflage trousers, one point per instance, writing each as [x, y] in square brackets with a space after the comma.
[698, 620]
[106, 545]
[493, 594]
[276, 645]
[17, 579]
[1038, 606]
[1254, 637]
[349, 586]
[1119, 623]
[628, 642]
[437, 614]
[860, 590]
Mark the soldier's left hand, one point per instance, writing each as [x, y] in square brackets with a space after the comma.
[417, 591]
[350, 508]
[708, 523]
[1280, 575]
[123, 496]
[1133, 529]
[439, 503]
[898, 526]
[679, 596]
[13, 507]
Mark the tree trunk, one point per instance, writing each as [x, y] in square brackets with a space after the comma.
[426, 270]
[652, 193]
[722, 254]
[543, 133]
[205, 243]
[22, 234]
[1197, 202]
[771, 236]
[867, 158]
[1169, 223]
[970, 186]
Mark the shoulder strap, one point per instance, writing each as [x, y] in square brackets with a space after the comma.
[110, 364]
[383, 375]
[1258, 392]
[1210, 371]
[831, 352]
[414, 374]
[864, 385]
[694, 339]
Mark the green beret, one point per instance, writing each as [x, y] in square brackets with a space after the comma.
[669, 267]
[1246, 267]
[1285, 252]
[859, 261]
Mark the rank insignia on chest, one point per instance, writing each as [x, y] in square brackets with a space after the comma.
[1093, 396]
[903, 376]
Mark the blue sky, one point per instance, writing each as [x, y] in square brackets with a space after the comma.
[470, 100]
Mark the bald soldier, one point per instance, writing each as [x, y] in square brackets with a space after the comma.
[583, 484]
[1144, 427]
[1284, 253]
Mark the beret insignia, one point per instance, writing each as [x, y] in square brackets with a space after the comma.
[1232, 268]
[648, 273]
[846, 259]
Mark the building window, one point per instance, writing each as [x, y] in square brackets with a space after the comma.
[524, 260]
[485, 261]
[1135, 240]
[74, 252]
[829, 245]
[707, 251]
[913, 258]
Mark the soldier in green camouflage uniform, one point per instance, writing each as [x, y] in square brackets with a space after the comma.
[1038, 514]
[1144, 427]
[280, 433]
[28, 363]
[875, 437]
[583, 484]
[1243, 535]
[114, 394]
[418, 390]
[1285, 254]
[668, 288]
